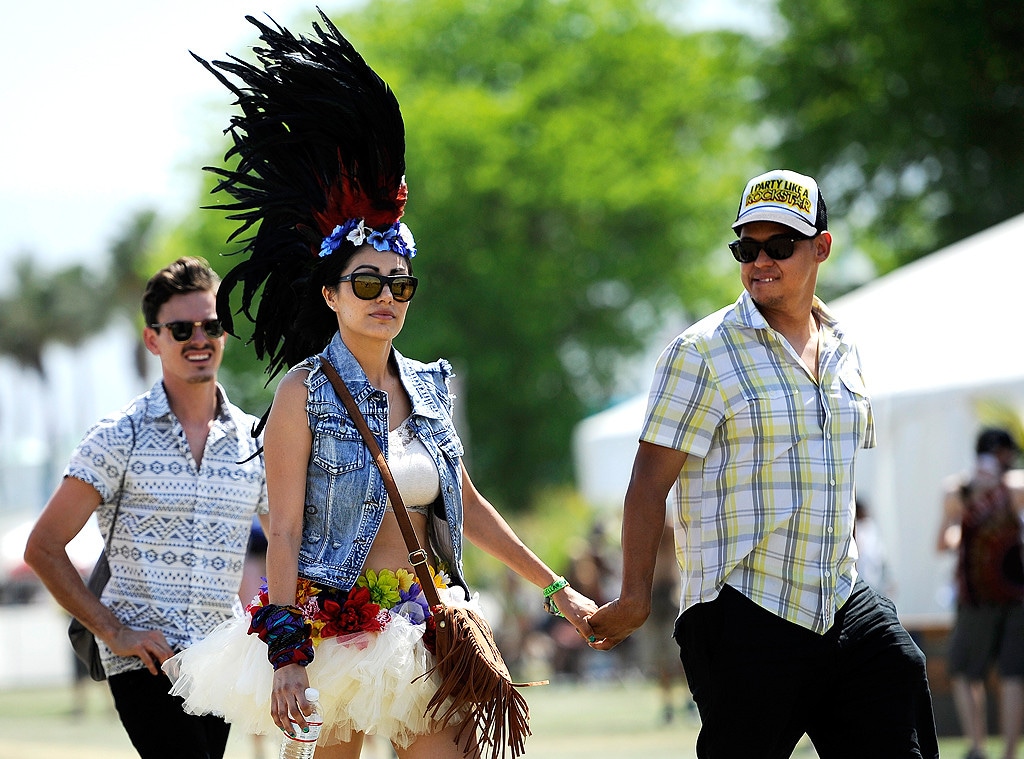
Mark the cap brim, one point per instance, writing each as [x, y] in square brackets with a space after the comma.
[777, 215]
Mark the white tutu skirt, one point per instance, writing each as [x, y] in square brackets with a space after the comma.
[369, 682]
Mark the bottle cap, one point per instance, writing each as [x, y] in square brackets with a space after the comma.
[312, 694]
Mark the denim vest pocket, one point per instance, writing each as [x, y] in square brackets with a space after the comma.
[448, 443]
[337, 449]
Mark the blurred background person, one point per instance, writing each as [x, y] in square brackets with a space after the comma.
[981, 521]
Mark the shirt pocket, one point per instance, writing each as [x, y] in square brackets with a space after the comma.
[768, 421]
[857, 406]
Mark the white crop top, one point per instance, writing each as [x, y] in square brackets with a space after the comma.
[413, 469]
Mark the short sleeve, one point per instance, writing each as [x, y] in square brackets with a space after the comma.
[102, 455]
[684, 406]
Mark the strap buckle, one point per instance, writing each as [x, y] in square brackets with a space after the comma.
[418, 558]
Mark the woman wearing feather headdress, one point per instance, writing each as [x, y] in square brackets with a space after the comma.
[319, 180]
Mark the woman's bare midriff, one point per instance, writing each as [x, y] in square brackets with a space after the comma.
[389, 550]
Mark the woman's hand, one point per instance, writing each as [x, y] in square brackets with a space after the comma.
[289, 697]
[576, 608]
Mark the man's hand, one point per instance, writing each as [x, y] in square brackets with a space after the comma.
[616, 621]
[149, 645]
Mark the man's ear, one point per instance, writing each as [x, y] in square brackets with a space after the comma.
[149, 339]
[823, 246]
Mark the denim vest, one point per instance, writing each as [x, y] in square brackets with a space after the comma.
[346, 500]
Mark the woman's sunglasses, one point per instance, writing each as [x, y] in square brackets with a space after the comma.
[182, 331]
[778, 248]
[368, 286]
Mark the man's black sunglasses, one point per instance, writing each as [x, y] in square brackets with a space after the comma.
[367, 286]
[182, 331]
[778, 248]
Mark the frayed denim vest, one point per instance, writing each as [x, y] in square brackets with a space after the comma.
[345, 495]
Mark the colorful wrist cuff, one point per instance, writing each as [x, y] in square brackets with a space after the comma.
[286, 633]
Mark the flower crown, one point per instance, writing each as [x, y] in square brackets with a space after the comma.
[397, 238]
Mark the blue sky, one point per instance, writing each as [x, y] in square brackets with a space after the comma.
[103, 114]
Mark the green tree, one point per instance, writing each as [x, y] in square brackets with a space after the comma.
[128, 271]
[203, 233]
[912, 112]
[48, 307]
[570, 165]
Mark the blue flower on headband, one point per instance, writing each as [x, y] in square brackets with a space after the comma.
[396, 238]
[382, 240]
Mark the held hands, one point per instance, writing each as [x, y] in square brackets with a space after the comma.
[289, 698]
[575, 607]
[613, 623]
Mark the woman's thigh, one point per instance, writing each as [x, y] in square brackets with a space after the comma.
[348, 750]
[445, 744]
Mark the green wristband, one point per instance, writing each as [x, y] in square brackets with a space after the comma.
[557, 585]
[549, 591]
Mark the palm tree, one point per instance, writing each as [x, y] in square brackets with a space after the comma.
[126, 278]
[71, 305]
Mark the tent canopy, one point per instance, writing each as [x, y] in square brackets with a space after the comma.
[947, 320]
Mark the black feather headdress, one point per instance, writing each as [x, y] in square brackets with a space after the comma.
[319, 152]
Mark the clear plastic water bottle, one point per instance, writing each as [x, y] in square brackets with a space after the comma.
[303, 744]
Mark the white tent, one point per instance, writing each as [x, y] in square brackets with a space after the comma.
[940, 344]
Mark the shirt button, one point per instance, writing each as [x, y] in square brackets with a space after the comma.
[832, 482]
[829, 530]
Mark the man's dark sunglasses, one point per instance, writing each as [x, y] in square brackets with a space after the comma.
[368, 286]
[778, 248]
[182, 331]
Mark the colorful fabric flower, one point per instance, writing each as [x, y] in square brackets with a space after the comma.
[441, 577]
[376, 598]
[396, 238]
[383, 587]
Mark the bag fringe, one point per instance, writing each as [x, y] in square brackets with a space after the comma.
[475, 682]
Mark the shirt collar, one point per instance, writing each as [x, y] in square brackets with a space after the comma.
[159, 407]
[746, 313]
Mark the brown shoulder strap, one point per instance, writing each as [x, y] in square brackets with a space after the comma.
[417, 556]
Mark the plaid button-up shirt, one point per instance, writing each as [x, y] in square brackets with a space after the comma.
[765, 500]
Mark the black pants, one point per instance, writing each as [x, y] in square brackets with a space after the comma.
[760, 682]
[156, 723]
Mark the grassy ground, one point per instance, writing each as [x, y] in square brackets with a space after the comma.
[590, 721]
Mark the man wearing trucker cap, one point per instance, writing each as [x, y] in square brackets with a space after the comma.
[753, 423]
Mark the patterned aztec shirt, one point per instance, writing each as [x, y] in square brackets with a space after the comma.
[765, 500]
[181, 533]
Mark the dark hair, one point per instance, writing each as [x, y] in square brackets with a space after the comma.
[994, 439]
[188, 274]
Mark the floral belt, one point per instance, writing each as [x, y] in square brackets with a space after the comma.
[369, 606]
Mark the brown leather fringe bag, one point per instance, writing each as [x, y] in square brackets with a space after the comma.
[475, 682]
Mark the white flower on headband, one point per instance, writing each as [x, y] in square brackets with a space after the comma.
[357, 236]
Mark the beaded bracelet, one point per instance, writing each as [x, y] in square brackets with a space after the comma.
[549, 603]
